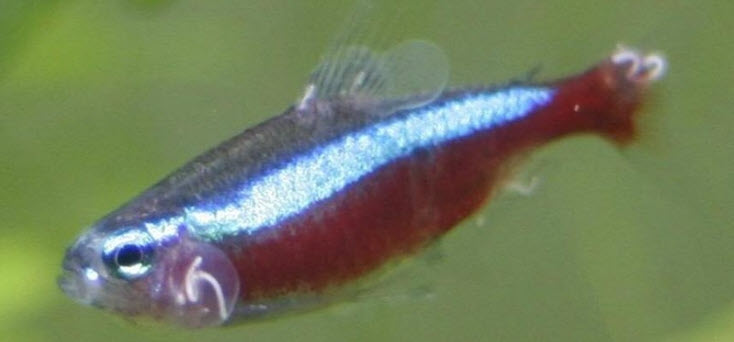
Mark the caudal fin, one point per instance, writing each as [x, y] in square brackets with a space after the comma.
[606, 99]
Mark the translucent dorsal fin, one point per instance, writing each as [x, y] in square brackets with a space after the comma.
[406, 75]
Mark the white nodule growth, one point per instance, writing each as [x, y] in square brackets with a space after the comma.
[642, 68]
[178, 296]
[308, 95]
[358, 81]
[91, 274]
[655, 65]
[524, 188]
[194, 277]
[626, 56]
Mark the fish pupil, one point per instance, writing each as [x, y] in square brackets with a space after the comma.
[129, 255]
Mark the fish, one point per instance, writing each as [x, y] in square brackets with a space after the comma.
[375, 162]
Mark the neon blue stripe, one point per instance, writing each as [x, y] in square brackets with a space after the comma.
[316, 176]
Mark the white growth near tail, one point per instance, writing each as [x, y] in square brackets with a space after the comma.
[643, 68]
[192, 283]
[524, 188]
[656, 66]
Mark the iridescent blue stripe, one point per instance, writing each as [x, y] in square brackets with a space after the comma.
[284, 192]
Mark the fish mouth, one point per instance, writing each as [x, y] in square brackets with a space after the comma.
[77, 280]
[72, 284]
[69, 284]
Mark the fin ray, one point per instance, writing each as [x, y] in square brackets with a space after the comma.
[407, 75]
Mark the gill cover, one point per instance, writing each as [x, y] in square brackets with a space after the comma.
[196, 285]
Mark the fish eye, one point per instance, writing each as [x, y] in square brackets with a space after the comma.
[129, 255]
[129, 260]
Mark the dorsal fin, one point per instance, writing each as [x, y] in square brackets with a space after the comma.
[406, 75]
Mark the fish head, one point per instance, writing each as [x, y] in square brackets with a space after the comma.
[131, 272]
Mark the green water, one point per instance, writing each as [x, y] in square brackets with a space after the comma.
[99, 99]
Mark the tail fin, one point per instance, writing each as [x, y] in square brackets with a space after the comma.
[607, 97]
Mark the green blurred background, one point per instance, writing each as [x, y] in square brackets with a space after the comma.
[99, 99]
